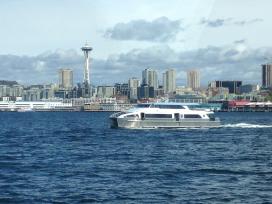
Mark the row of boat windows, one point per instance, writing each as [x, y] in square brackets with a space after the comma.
[160, 106]
[165, 116]
[167, 106]
[192, 116]
[158, 115]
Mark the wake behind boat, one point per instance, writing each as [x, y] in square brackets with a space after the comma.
[163, 115]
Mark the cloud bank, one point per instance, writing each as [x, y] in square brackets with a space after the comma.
[231, 62]
[161, 29]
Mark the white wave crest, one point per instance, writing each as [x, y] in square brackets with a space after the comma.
[246, 125]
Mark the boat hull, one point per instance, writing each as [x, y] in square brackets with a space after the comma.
[185, 123]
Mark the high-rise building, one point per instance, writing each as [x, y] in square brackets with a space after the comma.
[169, 81]
[267, 75]
[193, 79]
[150, 78]
[105, 91]
[66, 78]
[233, 86]
[121, 89]
[145, 92]
[133, 84]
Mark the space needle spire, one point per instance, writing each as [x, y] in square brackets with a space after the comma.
[86, 50]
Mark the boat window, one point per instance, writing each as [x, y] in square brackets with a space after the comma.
[119, 113]
[192, 116]
[132, 116]
[158, 115]
[166, 106]
[143, 105]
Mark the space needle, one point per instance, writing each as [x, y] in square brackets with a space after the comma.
[86, 81]
[86, 49]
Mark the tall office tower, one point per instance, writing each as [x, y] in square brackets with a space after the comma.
[105, 91]
[86, 49]
[133, 85]
[193, 79]
[121, 89]
[169, 81]
[66, 78]
[267, 75]
[233, 86]
[150, 78]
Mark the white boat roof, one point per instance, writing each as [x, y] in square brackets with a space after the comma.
[169, 103]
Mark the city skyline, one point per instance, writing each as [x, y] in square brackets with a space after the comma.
[214, 37]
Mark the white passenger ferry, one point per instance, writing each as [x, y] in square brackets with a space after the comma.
[163, 115]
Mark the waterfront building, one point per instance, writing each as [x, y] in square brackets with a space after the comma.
[159, 92]
[217, 93]
[248, 88]
[4, 91]
[35, 106]
[212, 84]
[188, 98]
[48, 91]
[66, 79]
[233, 86]
[105, 91]
[193, 79]
[267, 75]
[150, 78]
[133, 84]
[169, 81]
[145, 92]
[39, 92]
[11, 91]
[180, 90]
[17, 90]
[121, 89]
[32, 94]
[65, 94]
[107, 106]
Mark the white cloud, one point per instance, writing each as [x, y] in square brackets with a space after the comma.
[219, 22]
[161, 29]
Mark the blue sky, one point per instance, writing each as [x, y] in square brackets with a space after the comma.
[224, 39]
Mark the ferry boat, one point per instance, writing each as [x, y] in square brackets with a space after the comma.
[163, 115]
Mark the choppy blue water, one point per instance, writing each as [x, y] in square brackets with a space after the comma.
[76, 158]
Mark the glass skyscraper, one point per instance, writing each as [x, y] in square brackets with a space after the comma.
[267, 75]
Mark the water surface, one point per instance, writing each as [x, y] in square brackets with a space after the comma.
[75, 157]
